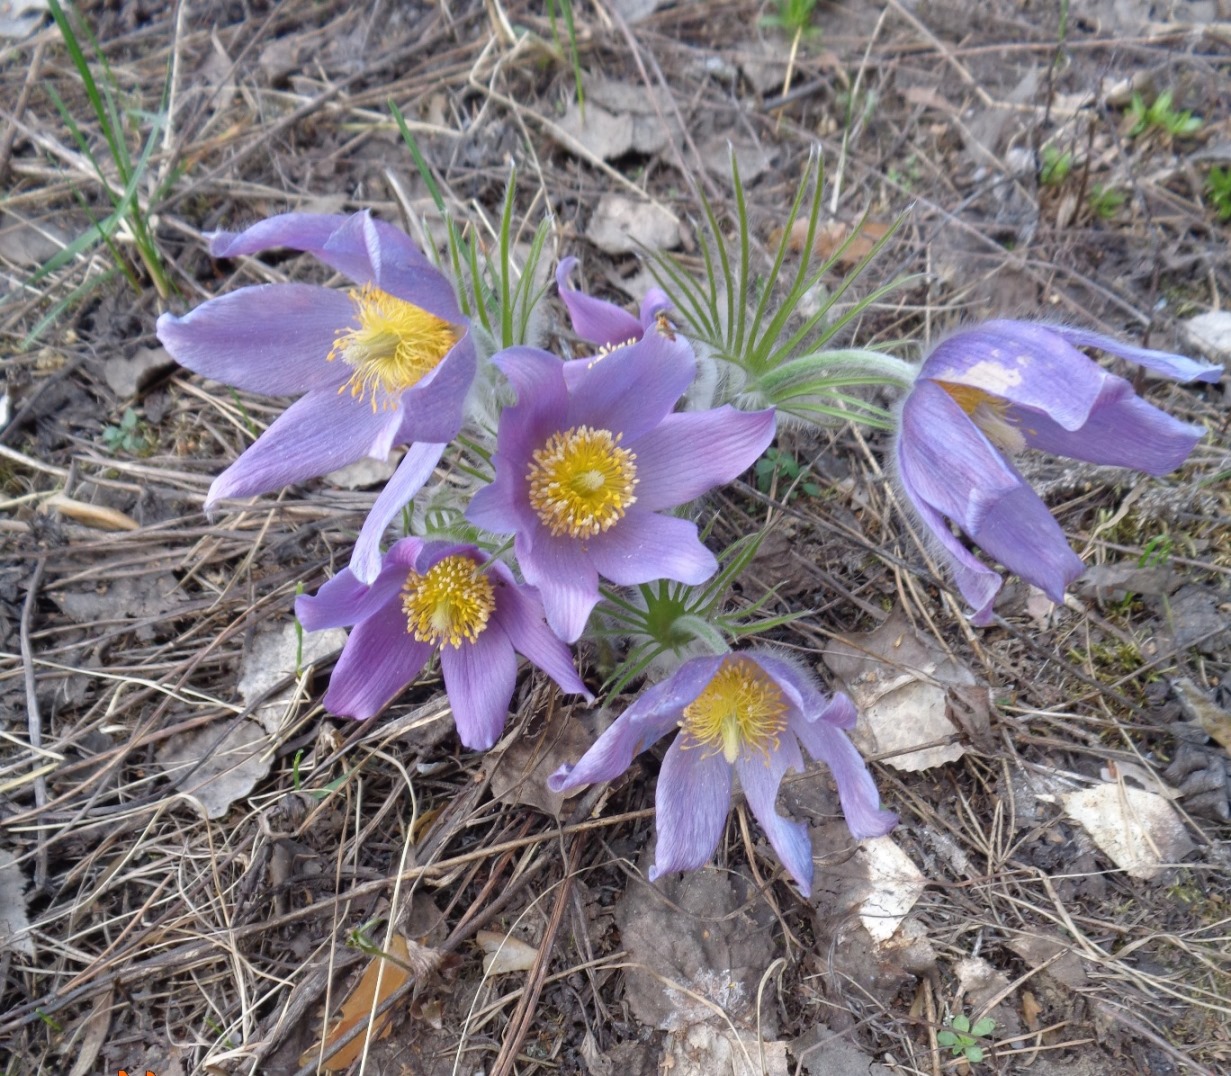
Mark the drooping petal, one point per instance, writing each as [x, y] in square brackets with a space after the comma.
[976, 582]
[654, 713]
[630, 391]
[434, 409]
[319, 433]
[411, 474]
[1023, 363]
[272, 338]
[345, 600]
[379, 660]
[1023, 535]
[760, 778]
[644, 546]
[479, 679]
[519, 611]
[856, 789]
[946, 461]
[596, 320]
[1122, 431]
[1177, 367]
[566, 581]
[691, 804]
[296, 231]
[692, 452]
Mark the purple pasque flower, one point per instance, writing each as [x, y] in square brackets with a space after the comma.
[387, 363]
[994, 389]
[591, 456]
[428, 597]
[602, 323]
[749, 713]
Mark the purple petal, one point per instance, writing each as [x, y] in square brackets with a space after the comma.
[798, 686]
[317, 434]
[644, 546]
[519, 611]
[977, 583]
[694, 451]
[1162, 362]
[1026, 364]
[565, 578]
[433, 409]
[273, 338]
[479, 678]
[655, 713]
[691, 805]
[1122, 431]
[653, 301]
[760, 778]
[411, 474]
[946, 461]
[600, 322]
[631, 390]
[856, 789]
[379, 660]
[344, 600]
[1023, 535]
[297, 231]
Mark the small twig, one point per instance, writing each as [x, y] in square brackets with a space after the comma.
[34, 721]
[23, 100]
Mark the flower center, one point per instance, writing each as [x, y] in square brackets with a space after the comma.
[740, 706]
[450, 603]
[990, 413]
[581, 482]
[395, 346]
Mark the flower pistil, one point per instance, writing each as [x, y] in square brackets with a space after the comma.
[582, 481]
[449, 603]
[395, 346]
[740, 707]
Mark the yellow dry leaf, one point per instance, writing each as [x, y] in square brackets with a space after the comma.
[92, 515]
[503, 953]
[379, 980]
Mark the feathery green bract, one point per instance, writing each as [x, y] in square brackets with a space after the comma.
[773, 354]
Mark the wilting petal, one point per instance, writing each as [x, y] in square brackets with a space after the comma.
[655, 713]
[479, 678]
[379, 660]
[566, 580]
[692, 452]
[520, 613]
[1024, 536]
[976, 582]
[317, 434]
[760, 778]
[630, 391]
[645, 546]
[596, 320]
[947, 462]
[1122, 431]
[1177, 367]
[691, 805]
[411, 474]
[273, 338]
[345, 600]
[856, 789]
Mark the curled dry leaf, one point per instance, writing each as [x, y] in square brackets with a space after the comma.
[503, 953]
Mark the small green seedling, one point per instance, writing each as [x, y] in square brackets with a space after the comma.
[131, 435]
[1056, 166]
[1218, 187]
[785, 466]
[1105, 202]
[1160, 116]
[960, 1036]
[792, 16]
[1157, 552]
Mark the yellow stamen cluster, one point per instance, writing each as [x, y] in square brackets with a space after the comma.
[741, 707]
[449, 604]
[581, 482]
[990, 413]
[395, 346]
